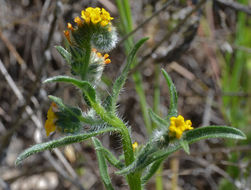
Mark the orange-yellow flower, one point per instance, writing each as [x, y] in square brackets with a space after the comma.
[50, 125]
[107, 61]
[78, 21]
[67, 35]
[178, 125]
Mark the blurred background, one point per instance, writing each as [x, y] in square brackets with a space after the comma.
[204, 45]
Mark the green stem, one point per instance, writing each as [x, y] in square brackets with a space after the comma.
[156, 92]
[156, 102]
[159, 179]
[134, 178]
[142, 99]
[84, 66]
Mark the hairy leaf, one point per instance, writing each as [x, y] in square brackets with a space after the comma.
[191, 137]
[83, 85]
[158, 120]
[151, 171]
[60, 142]
[65, 54]
[173, 95]
[102, 164]
[120, 81]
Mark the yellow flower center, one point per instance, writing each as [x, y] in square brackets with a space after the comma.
[51, 119]
[178, 125]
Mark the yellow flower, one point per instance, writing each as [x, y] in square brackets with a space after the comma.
[86, 16]
[51, 119]
[78, 21]
[134, 146]
[95, 18]
[67, 35]
[96, 15]
[107, 61]
[105, 57]
[178, 125]
[69, 26]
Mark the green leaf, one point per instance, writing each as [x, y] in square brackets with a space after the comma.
[102, 164]
[158, 120]
[65, 54]
[65, 108]
[184, 144]
[111, 158]
[173, 95]
[120, 81]
[151, 171]
[189, 136]
[60, 142]
[83, 85]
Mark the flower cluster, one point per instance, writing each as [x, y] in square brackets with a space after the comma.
[50, 124]
[105, 57]
[95, 16]
[178, 125]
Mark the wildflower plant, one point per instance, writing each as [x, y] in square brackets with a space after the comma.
[89, 41]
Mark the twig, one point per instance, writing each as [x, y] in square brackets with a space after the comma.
[59, 169]
[175, 170]
[212, 167]
[4, 185]
[236, 6]
[207, 110]
[34, 118]
[219, 42]
[12, 49]
[145, 21]
[168, 35]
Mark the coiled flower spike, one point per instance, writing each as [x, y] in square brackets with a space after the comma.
[93, 26]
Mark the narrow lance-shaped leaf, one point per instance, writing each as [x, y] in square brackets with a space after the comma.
[102, 164]
[158, 120]
[189, 136]
[60, 142]
[83, 85]
[65, 54]
[120, 81]
[151, 171]
[184, 144]
[173, 95]
[111, 158]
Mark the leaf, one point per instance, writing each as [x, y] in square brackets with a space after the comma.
[157, 119]
[173, 95]
[189, 136]
[65, 54]
[151, 171]
[68, 109]
[59, 142]
[120, 81]
[83, 85]
[102, 164]
[111, 158]
[184, 144]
